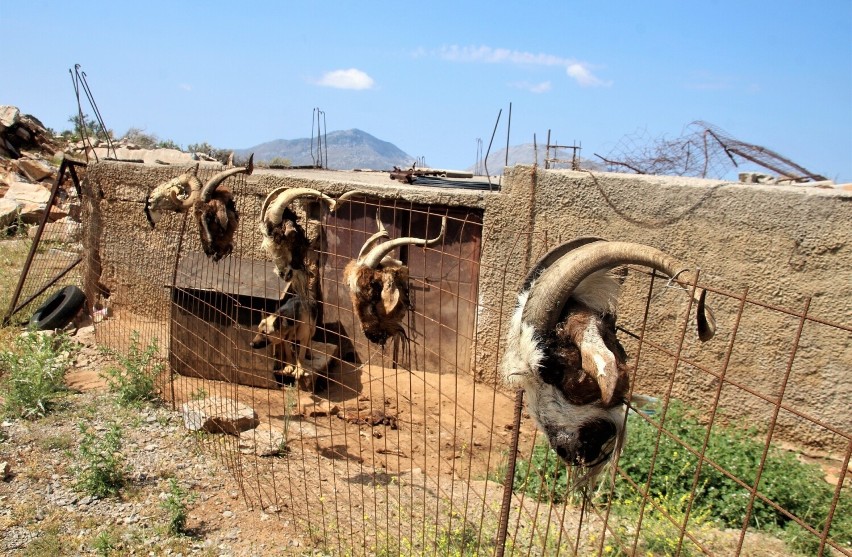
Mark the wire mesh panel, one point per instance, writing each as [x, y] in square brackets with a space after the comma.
[50, 250]
[403, 445]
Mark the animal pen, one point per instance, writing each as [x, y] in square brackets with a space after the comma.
[421, 450]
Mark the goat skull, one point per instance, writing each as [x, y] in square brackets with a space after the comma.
[178, 195]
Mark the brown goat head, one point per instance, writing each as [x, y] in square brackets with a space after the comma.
[216, 213]
[379, 286]
[562, 349]
[284, 239]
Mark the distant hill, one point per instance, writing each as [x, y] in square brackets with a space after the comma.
[347, 149]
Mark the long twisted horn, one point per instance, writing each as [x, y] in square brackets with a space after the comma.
[278, 199]
[553, 255]
[557, 283]
[376, 255]
[213, 183]
[369, 244]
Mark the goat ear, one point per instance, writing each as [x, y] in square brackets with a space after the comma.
[289, 229]
[222, 216]
[390, 296]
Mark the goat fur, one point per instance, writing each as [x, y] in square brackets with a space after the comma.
[217, 223]
[380, 298]
[292, 325]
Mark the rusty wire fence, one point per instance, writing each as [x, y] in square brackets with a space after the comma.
[423, 452]
[48, 250]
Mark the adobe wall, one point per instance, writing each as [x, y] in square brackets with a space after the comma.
[784, 244]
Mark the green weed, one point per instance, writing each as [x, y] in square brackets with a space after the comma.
[792, 485]
[175, 504]
[133, 381]
[102, 472]
[33, 373]
[106, 543]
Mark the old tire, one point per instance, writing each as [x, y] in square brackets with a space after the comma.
[59, 309]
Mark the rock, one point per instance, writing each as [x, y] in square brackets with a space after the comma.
[35, 170]
[9, 116]
[8, 213]
[5, 471]
[28, 193]
[756, 178]
[309, 406]
[219, 415]
[63, 230]
[265, 440]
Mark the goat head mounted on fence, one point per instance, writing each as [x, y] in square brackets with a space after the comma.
[216, 213]
[378, 284]
[284, 239]
[562, 349]
[177, 195]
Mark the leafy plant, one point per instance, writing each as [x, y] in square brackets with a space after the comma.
[134, 379]
[792, 485]
[105, 543]
[280, 161]
[102, 472]
[33, 373]
[175, 504]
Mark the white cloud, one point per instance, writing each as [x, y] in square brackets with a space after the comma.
[347, 79]
[578, 71]
[185, 87]
[583, 75]
[542, 87]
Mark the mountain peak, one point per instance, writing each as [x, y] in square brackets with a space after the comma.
[346, 149]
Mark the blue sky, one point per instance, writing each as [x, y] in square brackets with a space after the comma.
[431, 77]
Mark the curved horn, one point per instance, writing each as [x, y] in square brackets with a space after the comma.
[195, 188]
[342, 198]
[368, 245]
[213, 183]
[555, 285]
[553, 255]
[278, 199]
[376, 255]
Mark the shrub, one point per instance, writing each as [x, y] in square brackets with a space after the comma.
[175, 504]
[101, 472]
[33, 373]
[790, 484]
[134, 379]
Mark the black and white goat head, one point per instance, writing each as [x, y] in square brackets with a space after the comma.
[177, 195]
[216, 213]
[378, 285]
[562, 349]
[284, 239]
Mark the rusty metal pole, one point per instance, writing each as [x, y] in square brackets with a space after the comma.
[509, 481]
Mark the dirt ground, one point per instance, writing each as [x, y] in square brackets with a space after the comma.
[384, 462]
